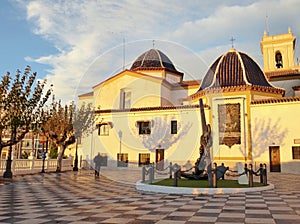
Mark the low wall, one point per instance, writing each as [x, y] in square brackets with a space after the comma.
[30, 166]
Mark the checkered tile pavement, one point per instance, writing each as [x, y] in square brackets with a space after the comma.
[81, 198]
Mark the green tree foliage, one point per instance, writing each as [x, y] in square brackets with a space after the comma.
[53, 152]
[66, 124]
[21, 104]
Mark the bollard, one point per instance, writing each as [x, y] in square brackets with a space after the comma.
[265, 175]
[152, 173]
[176, 170]
[214, 175]
[223, 177]
[176, 178]
[170, 170]
[246, 169]
[261, 173]
[250, 175]
[143, 173]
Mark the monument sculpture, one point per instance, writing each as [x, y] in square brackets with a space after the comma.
[202, 168]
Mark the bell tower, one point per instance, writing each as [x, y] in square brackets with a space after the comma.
[278, 51]
[279, 65]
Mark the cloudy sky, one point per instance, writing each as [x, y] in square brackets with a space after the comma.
[77, 44]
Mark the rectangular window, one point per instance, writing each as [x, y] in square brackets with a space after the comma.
[144, 159]
[144, 127]
[122, 159]
[125, 99]
[296, 152]
[173, 127]
[103, 130]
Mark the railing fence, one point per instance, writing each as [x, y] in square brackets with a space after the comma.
[30, 166]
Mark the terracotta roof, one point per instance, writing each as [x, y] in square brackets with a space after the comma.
[133, 72]
[276, 100]
[191, 82]
[86, 94]
[153, 58]
[149, 109]
[237, 89]
[281, 73]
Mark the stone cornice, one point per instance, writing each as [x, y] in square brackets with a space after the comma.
[237, 89]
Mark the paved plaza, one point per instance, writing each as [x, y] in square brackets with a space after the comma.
[81, 198]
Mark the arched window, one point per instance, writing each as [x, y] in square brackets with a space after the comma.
[278, 60]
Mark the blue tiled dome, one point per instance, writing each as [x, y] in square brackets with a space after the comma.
[234, 69]
[153, 58]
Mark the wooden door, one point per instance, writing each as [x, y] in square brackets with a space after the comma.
[274, 152]
[160, 154]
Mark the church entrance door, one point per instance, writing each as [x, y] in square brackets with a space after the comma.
[274, 152]
[160, 154]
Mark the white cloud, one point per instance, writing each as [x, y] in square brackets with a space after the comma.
[88, 34]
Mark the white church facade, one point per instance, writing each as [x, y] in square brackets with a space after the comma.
[149, 113]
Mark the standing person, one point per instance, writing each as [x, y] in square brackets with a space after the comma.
[97, 161]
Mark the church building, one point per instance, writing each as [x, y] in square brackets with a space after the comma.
[149, 113]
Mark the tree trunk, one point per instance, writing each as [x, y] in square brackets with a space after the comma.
[60, 158]
[8, 173]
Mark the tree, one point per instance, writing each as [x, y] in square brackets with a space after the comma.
[21, 105]
[83, 126]
[66, 124]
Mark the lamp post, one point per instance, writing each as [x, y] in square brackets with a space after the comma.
[43, 141]
[75, 168]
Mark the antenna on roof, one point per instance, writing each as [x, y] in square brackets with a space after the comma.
[267, 24]
[232, 40]
[123, 53]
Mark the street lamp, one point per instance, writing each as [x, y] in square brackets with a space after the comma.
[43, 141]
[75, 168]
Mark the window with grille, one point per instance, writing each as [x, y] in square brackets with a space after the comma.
[296, 152]
[103, 130]
[122, 159]
[144, 159]
[173, 127]
[144, 127]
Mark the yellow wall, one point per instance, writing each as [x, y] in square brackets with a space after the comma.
[276, 125]
[145, 91]
[283, 43]
[178, 147]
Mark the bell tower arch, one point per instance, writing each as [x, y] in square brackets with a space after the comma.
[278, 51]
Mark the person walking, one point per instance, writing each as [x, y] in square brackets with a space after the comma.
[97, 161]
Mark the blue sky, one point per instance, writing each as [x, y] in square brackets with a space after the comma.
[77, 44]
[17, 41]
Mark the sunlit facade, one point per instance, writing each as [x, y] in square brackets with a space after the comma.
[149, 113]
